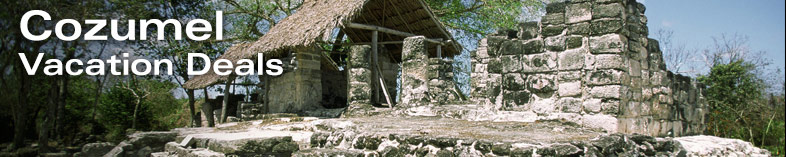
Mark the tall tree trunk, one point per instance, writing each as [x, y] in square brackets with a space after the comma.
[133, 89]
[64, 93]
[20, 113]
[61, 104]
[227, 94]
[191, 102]
[97, 98]
[49, 118]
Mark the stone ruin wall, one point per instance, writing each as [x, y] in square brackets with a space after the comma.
[424, 81]
[590, 62]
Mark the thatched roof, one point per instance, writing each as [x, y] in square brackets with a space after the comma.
[315, 20]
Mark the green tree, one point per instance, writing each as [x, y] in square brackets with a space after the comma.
[736, 91]
[731, 90]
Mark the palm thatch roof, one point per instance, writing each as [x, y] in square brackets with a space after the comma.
[315, 20]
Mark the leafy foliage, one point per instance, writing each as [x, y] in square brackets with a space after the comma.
[159, 111]
[738, 107]
[479, 17]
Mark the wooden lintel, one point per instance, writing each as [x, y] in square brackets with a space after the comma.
[379, 43]
[391, 31]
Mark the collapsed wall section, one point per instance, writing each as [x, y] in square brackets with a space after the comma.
[589, 62]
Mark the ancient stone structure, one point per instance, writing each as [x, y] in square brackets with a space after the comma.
[299, 89]
[423, 136]
[589, 62]
[424, 81]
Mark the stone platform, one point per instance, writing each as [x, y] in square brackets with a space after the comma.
[387, 135]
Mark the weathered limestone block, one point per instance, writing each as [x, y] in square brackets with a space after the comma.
[612, 10]
[592, 105]
[541, 83]
[538, 63]
[608, 1]
[511, 47]
[495, 65]
[543, 105]
[634, 109]
[555, 43]
[606, 77]
[572, 59]
[569, 89]
[529, 30]
[494, 43]
[479, 68]
[569, 75]
[359, 90]
[606, 122]
[570, 105]
[637, 50]
[360, 75]
[639, 125]
[494, 90]
[606, 26]
[609, 43]
[578, 12]
[552, 30]
[610, 106]
[582, 28]
[556, 7]
[514, 81]
[516, 100]
[482, 50]
[533, 47]
[609, 91]
[510, 63]
[634, 70]
[554, 19]
[574, 42]
[606, 61]
[413, 72]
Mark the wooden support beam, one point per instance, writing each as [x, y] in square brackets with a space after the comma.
[375, 61]
[378, 43]
[385, 90]
[390, 31]
[376, 71]
[439, 51]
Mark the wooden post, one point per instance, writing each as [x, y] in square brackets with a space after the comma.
[375, 62]
[439, 51]
[375, 51]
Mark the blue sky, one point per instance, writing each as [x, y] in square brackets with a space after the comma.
[695, 22]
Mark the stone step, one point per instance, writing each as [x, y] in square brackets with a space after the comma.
[173, 149]
[264, 142]
[314, 152]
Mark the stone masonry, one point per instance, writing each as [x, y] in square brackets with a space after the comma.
[414, 73]
[359, 92]
[299, 89]
[589, 62]
[441, 87]
[425, 81]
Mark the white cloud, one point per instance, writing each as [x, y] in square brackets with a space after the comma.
[666, 23]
